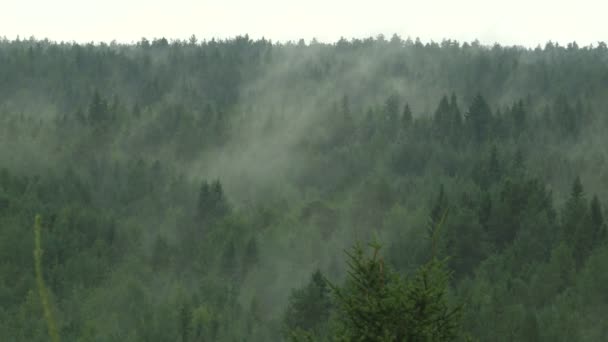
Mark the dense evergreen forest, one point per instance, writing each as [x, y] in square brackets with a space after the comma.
[239, 190]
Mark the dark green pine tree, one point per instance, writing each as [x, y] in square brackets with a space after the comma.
[597, 220]
[204, 199]
[308, 310]
[346, 113]
[575, 223]
[518, 114]
[251, 256]
[406, 117]
[455, 110]
[455, 118]
[489, 171]
[479, 119]
[442, 120]
[376, 304]
[577, 192]
[591, 231]
[439, 207]
[494, 167]
[580, 112]
[566, 117]
[347, 124]
[115, 108]
[212, 203]
[369, 125]
[136, 111]
[485, 213]
[391, 115]
[519, 165]
[220, 206]
[98, 109]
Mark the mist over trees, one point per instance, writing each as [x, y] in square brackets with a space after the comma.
[226, 190]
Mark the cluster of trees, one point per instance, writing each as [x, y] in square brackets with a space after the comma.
[375, 304]
[207, 191]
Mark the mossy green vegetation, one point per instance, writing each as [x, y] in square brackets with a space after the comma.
[208, 191]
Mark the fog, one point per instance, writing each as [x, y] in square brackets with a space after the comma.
[191, 187]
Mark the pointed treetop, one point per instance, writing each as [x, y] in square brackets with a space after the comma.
[518, 160]
[407, 114]
[596, 212]
[453, 100]
[577, 188]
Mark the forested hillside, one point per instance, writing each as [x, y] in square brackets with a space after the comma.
[213, 191]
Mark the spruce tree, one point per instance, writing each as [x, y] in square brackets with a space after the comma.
[376, 304]
[479, 119]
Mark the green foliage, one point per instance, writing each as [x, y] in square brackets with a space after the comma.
[375, 304]
[479, 119]
[317, 146]
[406, 117]
[212, 203]
[308, 310]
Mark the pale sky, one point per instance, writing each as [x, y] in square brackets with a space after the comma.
[521, 22]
